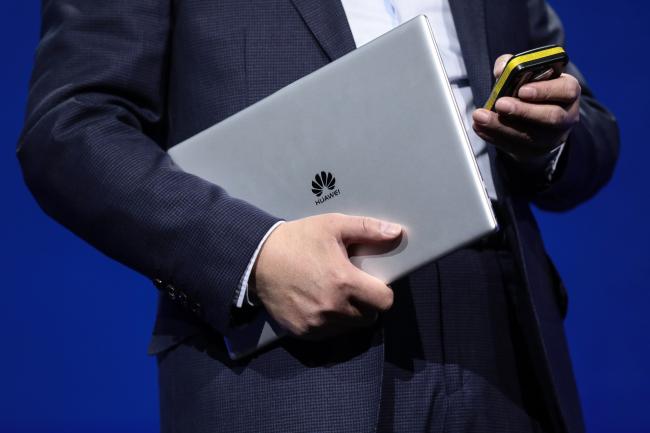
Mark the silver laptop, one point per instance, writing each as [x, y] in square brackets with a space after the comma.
[376, 133]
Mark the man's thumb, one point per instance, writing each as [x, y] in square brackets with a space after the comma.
[500, 64]
[358, 229]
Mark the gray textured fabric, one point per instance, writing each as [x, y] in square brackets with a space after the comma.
[116, 83]
[455, 359]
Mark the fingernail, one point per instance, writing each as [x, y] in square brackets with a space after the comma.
[527, 92]
[500, 65]
[482, 117]
[505, 106]
[390, 229]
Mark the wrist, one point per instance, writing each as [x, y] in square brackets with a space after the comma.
[264, 266]
[246, 293]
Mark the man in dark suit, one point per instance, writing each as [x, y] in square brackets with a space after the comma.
[473, 342]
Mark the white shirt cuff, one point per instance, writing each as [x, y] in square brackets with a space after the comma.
[243, 284]
[551, 166]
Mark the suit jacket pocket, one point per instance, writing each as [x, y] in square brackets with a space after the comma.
[160, 344]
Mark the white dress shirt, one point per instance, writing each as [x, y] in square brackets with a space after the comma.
[369, 19]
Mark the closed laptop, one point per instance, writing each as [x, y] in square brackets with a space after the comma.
[376, 133]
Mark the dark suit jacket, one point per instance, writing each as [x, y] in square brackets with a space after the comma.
[117, 83]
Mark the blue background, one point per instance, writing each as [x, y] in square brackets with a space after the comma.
[75, 325]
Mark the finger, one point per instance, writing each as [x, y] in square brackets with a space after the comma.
[366, 315]
[500, 64]
[518, 148]
[564, 90]
[518, 138]
[358, 229]
[549, 115]
[369, 291]
[354, 315]
[489, 123]
[502, 141]
[336, 325]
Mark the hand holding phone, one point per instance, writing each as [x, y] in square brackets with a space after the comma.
[545, 63]
[533, 106]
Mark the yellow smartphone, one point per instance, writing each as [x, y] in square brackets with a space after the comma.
[544, 63]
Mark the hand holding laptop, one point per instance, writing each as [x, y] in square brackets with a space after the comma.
[376, 132]
[304, 277]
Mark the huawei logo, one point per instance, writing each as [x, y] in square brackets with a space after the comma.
[321, 181]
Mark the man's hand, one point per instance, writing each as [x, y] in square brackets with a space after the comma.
[536, 122]
[306, 282]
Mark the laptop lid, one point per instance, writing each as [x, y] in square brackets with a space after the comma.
[376, 133]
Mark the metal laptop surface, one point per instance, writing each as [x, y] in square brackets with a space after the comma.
[376, 133]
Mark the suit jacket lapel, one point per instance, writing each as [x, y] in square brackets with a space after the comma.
[329, 25]
[471, 25]
[469, 17]
[327, 21]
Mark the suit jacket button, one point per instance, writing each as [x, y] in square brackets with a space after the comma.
[182, 298]
[172, 292]
[160, 285]
[196, 308]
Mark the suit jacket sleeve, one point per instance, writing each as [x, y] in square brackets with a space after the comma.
[588, 160]
[91, 154]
